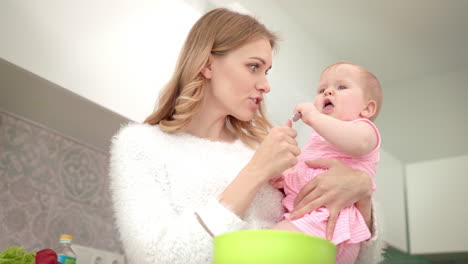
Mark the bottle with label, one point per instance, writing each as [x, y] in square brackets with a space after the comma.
[66, 255]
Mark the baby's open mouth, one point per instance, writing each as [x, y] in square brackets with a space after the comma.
[327, 103]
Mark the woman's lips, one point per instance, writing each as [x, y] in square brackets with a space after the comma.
[255, 102]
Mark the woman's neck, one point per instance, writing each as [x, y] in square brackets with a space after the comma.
[206, 124]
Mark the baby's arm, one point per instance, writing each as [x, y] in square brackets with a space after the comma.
[353, 138]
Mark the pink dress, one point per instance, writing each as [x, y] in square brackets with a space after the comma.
[351, 228]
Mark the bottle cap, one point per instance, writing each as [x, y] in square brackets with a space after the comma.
[66, 238]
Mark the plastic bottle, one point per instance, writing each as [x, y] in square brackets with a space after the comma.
[65, 254]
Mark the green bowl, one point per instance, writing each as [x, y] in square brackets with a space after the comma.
[271, 247]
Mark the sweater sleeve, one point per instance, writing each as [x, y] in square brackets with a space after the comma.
[372, 249]
[152, 230]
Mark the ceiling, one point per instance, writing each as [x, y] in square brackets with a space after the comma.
[404, 43]
[399, 39]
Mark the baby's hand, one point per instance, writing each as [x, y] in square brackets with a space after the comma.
[277, 182]
[307, 110]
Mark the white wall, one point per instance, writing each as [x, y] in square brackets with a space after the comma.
[438, 205]
[390, 195]
[447, 93]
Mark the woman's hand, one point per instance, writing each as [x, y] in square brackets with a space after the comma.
[337, 188]
[277, 153]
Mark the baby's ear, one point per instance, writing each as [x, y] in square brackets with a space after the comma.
[369, 109]
[207, 70]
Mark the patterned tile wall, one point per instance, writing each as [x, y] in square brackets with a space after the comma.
[49, 185]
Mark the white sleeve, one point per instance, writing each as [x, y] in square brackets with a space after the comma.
[372, 249]
[152, 230]
[217, 219]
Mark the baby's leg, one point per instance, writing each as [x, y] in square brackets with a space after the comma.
[285, 225]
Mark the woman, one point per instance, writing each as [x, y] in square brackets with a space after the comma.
[201, 163]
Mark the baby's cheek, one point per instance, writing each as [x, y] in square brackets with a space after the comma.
[317, 103]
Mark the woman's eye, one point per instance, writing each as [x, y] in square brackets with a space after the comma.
[253, 67]
[342, 87]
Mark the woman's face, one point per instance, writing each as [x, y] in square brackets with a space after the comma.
[237, 80]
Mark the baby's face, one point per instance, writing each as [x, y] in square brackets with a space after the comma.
[341, 92]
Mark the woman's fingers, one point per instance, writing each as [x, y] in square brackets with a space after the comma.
[322, 163]
[291, 141]
[289, 136]
[290, 132]
[287, 128]
[308, 188]
[312, 206]
[332, 223]
[338, 187]
[309, 197]
[277, 152]
[295, 150]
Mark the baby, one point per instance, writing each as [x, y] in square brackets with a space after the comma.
[348, 99]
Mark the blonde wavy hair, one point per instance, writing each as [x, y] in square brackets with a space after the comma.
[217, 32]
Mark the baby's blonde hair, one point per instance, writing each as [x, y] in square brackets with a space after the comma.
[373, 90]
[217, 32]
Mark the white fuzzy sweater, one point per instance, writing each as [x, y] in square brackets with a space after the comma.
[165, 185]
